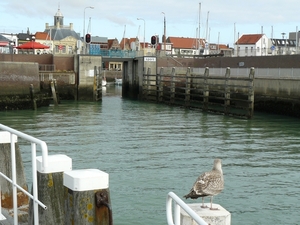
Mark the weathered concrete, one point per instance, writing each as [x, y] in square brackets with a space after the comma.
[16, 78]
[85, 70]
[6, 186]
[133, 75]
[212, 217]
[87, 199]
[51, 189]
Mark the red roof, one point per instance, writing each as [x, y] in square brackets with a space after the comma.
[42, 36]
[4, 43]
[182, 42]
[247, 39]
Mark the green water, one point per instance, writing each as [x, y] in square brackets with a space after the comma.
[151, 149]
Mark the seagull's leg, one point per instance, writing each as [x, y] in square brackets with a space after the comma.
[203, 206]
[211, 200]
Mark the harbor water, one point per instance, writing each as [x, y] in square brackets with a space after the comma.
[151, 149]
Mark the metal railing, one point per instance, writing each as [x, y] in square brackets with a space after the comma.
[180, 204]
[34, 142]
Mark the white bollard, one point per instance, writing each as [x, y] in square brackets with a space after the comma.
[87, 198]
[212, 217]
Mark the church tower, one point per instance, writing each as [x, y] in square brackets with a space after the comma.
[58, 19]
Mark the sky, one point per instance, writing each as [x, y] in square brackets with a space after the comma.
[220, 21]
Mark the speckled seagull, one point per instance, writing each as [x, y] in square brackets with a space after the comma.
[209, 183]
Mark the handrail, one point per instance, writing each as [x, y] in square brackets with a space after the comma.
[13, 181]
[179, 203]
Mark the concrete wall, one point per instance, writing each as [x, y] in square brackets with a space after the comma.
[84, 68]
[280, 61]
[16, 78]
[62, 63]
[283, 88]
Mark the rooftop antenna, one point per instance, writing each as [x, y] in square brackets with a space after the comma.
[124, 36]
[199, 41]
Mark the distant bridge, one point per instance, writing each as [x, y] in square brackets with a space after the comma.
[96, 50]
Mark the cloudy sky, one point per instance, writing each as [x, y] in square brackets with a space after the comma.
[221, 21]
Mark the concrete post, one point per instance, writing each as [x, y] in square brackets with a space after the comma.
[211, 217]
[188, 87]
[227, 92]
[206, 90]
[172, 89]
[51, 189]
[87, 199]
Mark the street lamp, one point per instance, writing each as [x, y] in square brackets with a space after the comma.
[88, 7]
[144, 30]
[164, 32]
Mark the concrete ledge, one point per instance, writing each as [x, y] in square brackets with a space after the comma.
[212, 217]
[5, 137]
[86, 180]
[56, 163]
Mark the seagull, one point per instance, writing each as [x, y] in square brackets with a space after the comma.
[209, 183]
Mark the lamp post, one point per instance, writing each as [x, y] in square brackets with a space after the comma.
[164, 32]
[144, 30]
[88, 7]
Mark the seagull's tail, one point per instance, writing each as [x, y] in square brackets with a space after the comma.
[192, 195]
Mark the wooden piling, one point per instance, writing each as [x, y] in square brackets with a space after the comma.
[187, 87]
[206, 90]
[227, 92]
[251, 93]
[97, 89]
[53, 93]
[32, 97]
[87, 199]
[51, 190]
[172, 91]
[160, 85]
[6, 168]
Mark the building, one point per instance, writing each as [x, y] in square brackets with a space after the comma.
[252, 45]
[283, 46]
[5, 45]
[65, 39]
[185, 47]
[43, 38]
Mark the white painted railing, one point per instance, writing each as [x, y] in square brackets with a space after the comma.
[34, 142]
[180, 204]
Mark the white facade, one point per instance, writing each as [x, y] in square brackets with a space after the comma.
[260, 48]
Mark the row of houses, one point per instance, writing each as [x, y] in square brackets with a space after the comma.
[62, 39]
